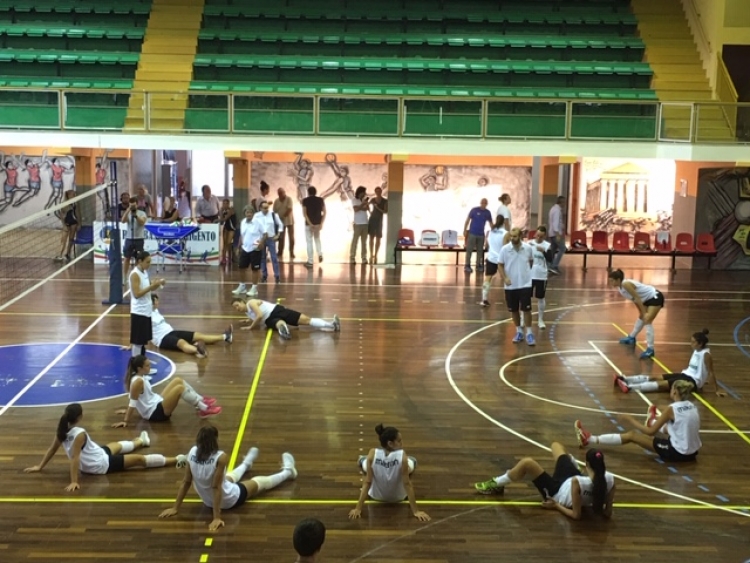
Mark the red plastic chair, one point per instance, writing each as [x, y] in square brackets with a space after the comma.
[683, 244]
[578, 242]
[642, 242]
[600, 241]
[704, 243]
[621, 242]
[663, 242]
[404, 234]
[530, 235]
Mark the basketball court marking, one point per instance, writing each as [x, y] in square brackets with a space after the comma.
[533, 442]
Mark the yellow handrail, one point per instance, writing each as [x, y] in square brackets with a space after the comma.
[726, 93]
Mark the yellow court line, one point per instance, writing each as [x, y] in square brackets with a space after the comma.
[710, 407]
[250, 399]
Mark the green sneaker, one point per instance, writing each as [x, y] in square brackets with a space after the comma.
[489, 488]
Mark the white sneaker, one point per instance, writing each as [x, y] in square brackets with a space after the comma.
[287, 462]
[240, 289]
[284, 331]
[251, 456]
[541, 324]
[252, 292]
[181, 462]
[336, 323]
[145, 439]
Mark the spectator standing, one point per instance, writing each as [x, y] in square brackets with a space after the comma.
[252, 241]
[273, 229]
[183, 201]
[556, 234]
[136, 221]
[207, 207]
[265, 189]
[474, 234]
[360, 204]
[283, 207]
[314, 210]
[143, 200]
[504, 210]
[375, 224]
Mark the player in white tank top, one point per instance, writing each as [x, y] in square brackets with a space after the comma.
[140, 303]
[87, 456]
[159, 407]
[700, 370]
[540, 248]
[387, 474]
[218, 488]
[566, 490]
[680, 420]
[496, 239]
[259, 312]
[648, 300]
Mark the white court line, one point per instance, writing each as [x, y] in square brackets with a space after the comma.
[533, 442]
[665, 343]
[57, 359]
[619, 372]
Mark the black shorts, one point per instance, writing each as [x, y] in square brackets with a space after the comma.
[672, 377]
[116, 462]
[655, 301]
[243, 496]
[132, 246]
[281, 313]
[169, 342]
[666, 451]
[158, 415]
[518, 299]
[251, 259]
[565, 468]
[539, 288]
[140, 329]
[490, 268]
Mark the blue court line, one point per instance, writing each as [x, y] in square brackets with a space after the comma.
[737, 336]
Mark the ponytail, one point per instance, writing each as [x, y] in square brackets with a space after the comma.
[72, 413]
[595, 460]
[134, 364]
[701, 337]
[386, 434]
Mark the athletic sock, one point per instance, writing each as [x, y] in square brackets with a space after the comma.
[635, 379]
[486, 290]
[606, 440]
[267, 483]
[650, 336]
[320, 323]
[126, 447]
[519, 328]
[647, 387]
[155, 460]
[237, 473]
[190, 396]
[528, 330]
[637, 328]
[135, 350]
[541, 305]
[503, 479]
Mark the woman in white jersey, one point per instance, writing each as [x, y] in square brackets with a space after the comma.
[542, 252]
[86, 456]
[566, 490]
[278, 317]
[218, 488]
[387, 474]
[496, 239]
[680, 420]
[647, 299]
[165, 337]
[140, 303]
[700, 371]
[154, 407]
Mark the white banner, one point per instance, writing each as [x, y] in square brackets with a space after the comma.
[202, 247]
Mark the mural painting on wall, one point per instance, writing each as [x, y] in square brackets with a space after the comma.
[723, 204]
[626, 195]
[435, 197]
[32, 183]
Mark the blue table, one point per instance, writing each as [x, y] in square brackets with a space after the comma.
[171, 240]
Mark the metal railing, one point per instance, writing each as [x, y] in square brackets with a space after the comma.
[360, 116]
[726, 93]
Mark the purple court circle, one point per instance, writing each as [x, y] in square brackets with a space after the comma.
[87, 372]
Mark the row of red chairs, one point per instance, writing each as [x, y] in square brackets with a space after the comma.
[642, 242]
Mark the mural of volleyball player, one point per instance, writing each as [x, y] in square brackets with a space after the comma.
[343, 185]
[33, 169]
[58, 169]
[435, 180]
[302, 173]
[11, 165]
[101, 177]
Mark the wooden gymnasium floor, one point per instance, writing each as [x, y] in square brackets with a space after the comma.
[415, 351]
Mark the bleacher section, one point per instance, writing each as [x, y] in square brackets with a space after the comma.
[80, 44]
[537, 49]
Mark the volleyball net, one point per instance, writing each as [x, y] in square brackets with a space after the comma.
[33, 249]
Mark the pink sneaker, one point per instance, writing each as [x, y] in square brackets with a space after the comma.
[210, 401]
[653, 414]
[212, 410]
[621, 383]
[582, 434]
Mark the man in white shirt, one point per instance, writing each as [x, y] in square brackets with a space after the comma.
[516, 259]
[504, 210]
[361, 205]
[273, 229]
[207, 206]
[252, 242]
[556, 234]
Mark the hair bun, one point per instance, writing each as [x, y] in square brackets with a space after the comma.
[379, 429]
[705, 331]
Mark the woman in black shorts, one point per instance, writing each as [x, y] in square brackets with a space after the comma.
[88, 457]
[228, 220]
[567, 490]
[278, 317]
[70, 227]
[681, 419]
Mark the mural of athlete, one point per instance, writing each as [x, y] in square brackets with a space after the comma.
[10, 165]
[101, 177]
[435, 180]
[33, 169]
[58, 169]
[302, 173]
